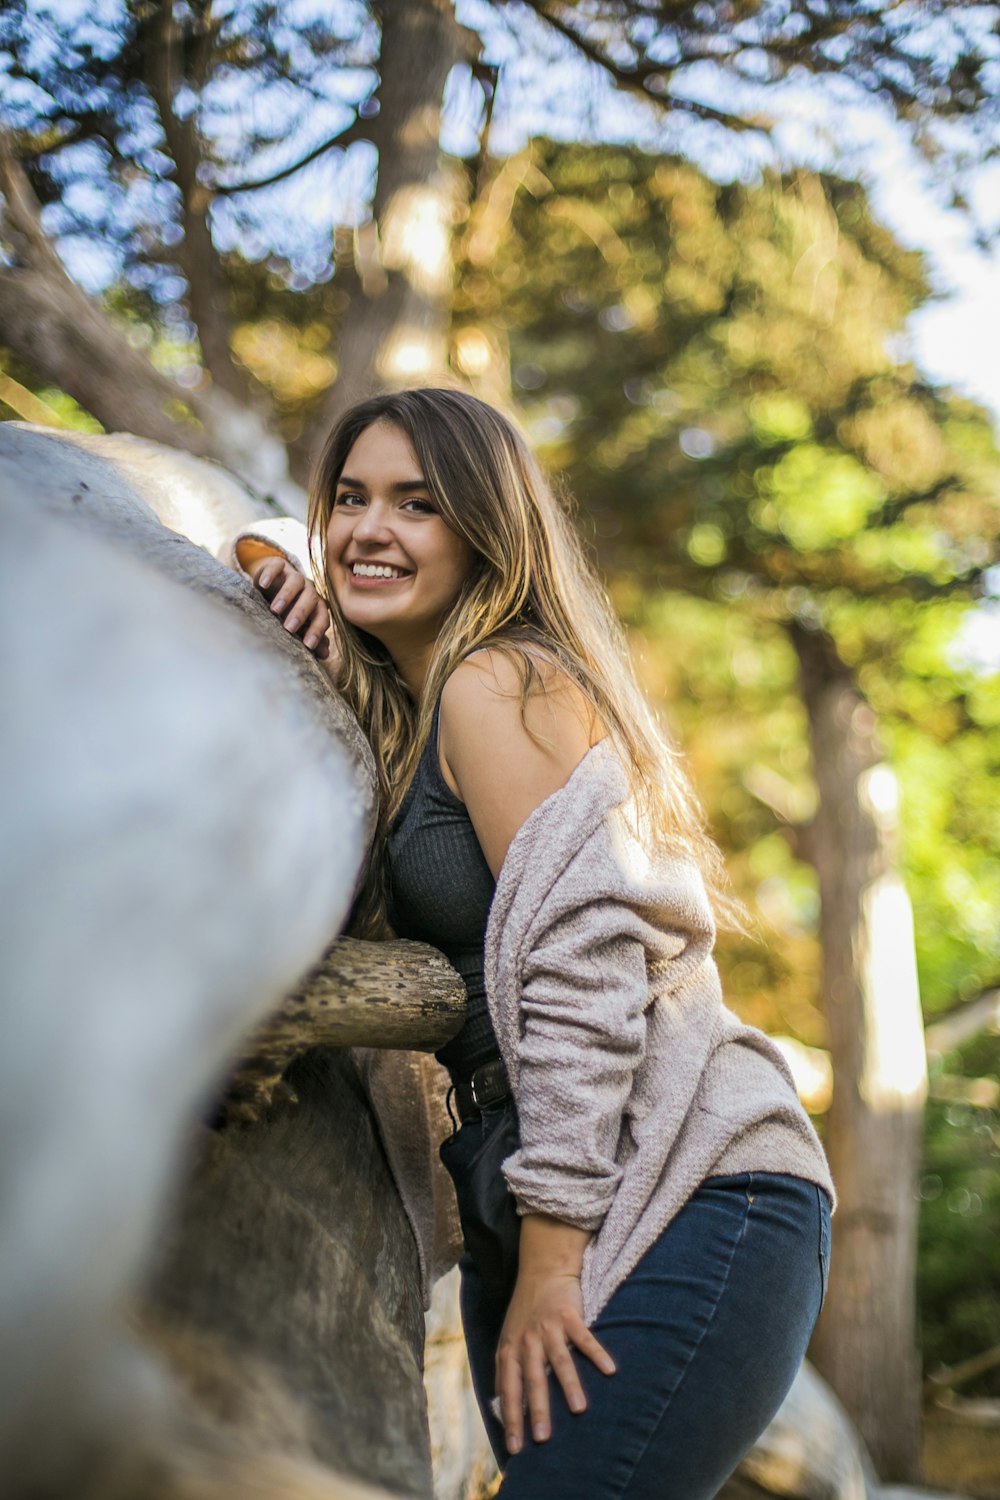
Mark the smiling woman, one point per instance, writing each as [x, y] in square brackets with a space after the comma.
[393, 563]
[642, 1197]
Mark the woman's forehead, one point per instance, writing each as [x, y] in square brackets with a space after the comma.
[383, 450]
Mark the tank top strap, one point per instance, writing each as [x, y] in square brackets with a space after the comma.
[432, 755]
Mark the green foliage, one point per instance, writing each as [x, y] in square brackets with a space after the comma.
[713, 371]
[24, 397]
[958, 1278]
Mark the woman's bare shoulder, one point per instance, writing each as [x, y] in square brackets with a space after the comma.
[504, 762]
[493, 677]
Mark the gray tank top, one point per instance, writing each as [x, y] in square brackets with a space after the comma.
[440, 891]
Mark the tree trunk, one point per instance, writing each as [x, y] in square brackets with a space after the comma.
[395, 331]
[865, 1343]
[186, 805]
[51, 323]
[208, 292]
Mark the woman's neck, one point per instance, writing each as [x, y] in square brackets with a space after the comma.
[413, 664]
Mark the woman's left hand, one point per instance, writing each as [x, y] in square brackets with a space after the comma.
[295, 601]
[544, 1319]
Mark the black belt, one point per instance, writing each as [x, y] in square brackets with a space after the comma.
[488, 1085]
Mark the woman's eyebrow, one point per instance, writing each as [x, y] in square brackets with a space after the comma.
[397, 488]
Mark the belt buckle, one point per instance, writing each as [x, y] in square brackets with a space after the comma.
[488, 1090]
[479, 1104]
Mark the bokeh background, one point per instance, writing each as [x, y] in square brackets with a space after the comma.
[734, 266]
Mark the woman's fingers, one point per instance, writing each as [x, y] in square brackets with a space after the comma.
[565, 1372]
[267, 574]
[295, 601]
[510, 1388]
[309, 617]
[536, 1387]
[291, 587]
[523, 1378]
[588, 1345]
[316, 628]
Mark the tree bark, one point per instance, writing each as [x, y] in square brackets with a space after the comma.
[208, 293]
[399, 994]
[172, 762]
[865, 1342]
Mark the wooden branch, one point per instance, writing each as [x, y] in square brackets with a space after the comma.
[963, 1023]
[358, 130]
[51, 323]
[644, 78]
[950, 1376]
[23, 208]
[394, 994]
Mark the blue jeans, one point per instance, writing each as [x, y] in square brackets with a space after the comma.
[707, 1334]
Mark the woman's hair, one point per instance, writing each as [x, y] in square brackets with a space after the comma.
[530, 587]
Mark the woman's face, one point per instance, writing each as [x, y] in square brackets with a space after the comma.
[394, 565]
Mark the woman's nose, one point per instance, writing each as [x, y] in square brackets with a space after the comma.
[371, 525]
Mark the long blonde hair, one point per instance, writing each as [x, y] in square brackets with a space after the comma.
[531, 586]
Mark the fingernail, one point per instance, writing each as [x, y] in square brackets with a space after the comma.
[513, 1445]
[540, 1432]
[610, 1368]
[312, 640]
[578, 1404]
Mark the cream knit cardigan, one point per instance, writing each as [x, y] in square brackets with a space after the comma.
[632, 1080]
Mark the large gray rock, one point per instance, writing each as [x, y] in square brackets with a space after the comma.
[810, 1450]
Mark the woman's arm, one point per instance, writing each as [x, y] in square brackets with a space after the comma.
[503, 767]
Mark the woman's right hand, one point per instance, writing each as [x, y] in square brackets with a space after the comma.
[294, 600]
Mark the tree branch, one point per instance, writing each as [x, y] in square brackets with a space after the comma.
[397, 994]
[963, 1023]
[358, 130]
[638, 80]
[951, 1376]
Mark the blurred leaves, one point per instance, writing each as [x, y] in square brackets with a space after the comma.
[720, 374]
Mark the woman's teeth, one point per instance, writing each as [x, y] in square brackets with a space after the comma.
[376, 570]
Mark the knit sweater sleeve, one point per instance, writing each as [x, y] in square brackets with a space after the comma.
[583, 993]
[587, 927]
[283, 535]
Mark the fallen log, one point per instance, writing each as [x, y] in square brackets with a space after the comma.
[171, 762]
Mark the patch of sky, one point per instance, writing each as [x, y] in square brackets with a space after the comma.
[95, 264]
[976, 645]
[98, 27]
[23, 101]
[462, 113]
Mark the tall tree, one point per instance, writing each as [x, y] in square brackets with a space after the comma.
[181, 158]
[711, 368]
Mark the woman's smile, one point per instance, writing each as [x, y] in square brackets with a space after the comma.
[369, 575]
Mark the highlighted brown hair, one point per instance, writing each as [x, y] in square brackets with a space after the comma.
[532, 589]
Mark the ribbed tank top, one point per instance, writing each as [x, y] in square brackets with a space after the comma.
[440, 891]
